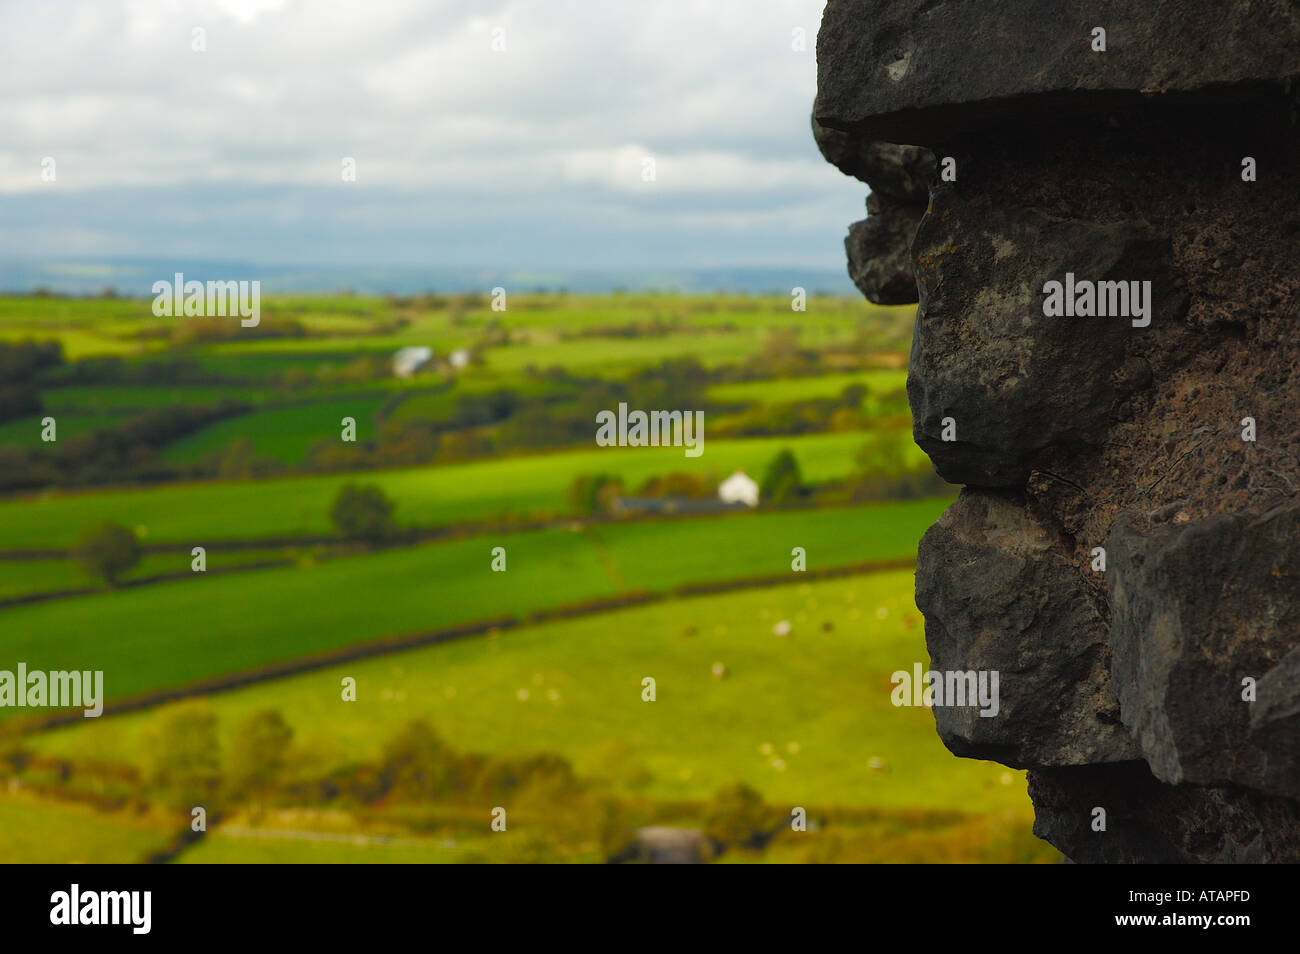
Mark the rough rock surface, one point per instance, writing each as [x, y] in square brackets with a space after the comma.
[1000, 596]
[1149, 822]
[900, 173]
[1124, 682]
[879, 250]
[918, 71]
[1196, 609]
[879, 247]
[979, 266]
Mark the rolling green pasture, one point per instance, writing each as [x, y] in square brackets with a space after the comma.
[26, 431]
[127, 327]
[604, 356]
[137, 398]
[176, 633]
[268, 846]
[434, 403]
[654, 555]
[827, 319]
[433, 332]
[46, 832]
[237, 362]
[781, 390]
[617, 357]
[344, 326]
[285, 433]
[582, 333]
[804, 719]
[24, 577]
[86, 326]
[426, 496]
[903, 837]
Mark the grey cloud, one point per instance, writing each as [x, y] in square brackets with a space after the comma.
[460, 150]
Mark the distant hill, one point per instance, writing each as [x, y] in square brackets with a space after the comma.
[135, 278]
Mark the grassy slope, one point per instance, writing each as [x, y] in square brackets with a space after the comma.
[24, 577]
[89, 327]
[196, 513]
[819, 698]
[883, 381]
[85, 326]
[222, 848]
[286, 433]
[51, 833]
[176, 633]
[1003, 837]
[137, 398]
[26, 431]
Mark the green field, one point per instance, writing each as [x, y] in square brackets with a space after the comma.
[800, 718]
[176, 633]
[25, 577]
[263, 368]
[285, 433]
[45, 832]
[91, 327]
[86, 326]
[800, 712]
[905, 837]
[426, 496]
[77, 398]
[878, 382]
[268, 846]
[96, 326]
[430, 404]
[26, 431]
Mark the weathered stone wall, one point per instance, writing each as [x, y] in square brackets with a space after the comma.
[1031, 153]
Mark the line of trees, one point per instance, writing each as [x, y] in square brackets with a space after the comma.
[129, 451]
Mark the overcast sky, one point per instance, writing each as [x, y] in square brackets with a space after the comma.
[528, 157]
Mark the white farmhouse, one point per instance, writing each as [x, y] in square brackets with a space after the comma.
[409, 360]
[739, 488]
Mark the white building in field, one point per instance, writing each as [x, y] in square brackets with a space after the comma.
[460, 358]
[409, 360]
[739, 488]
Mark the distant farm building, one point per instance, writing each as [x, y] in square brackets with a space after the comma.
[660, 845]
[739, 488]
[459, 358]
[407, 361]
